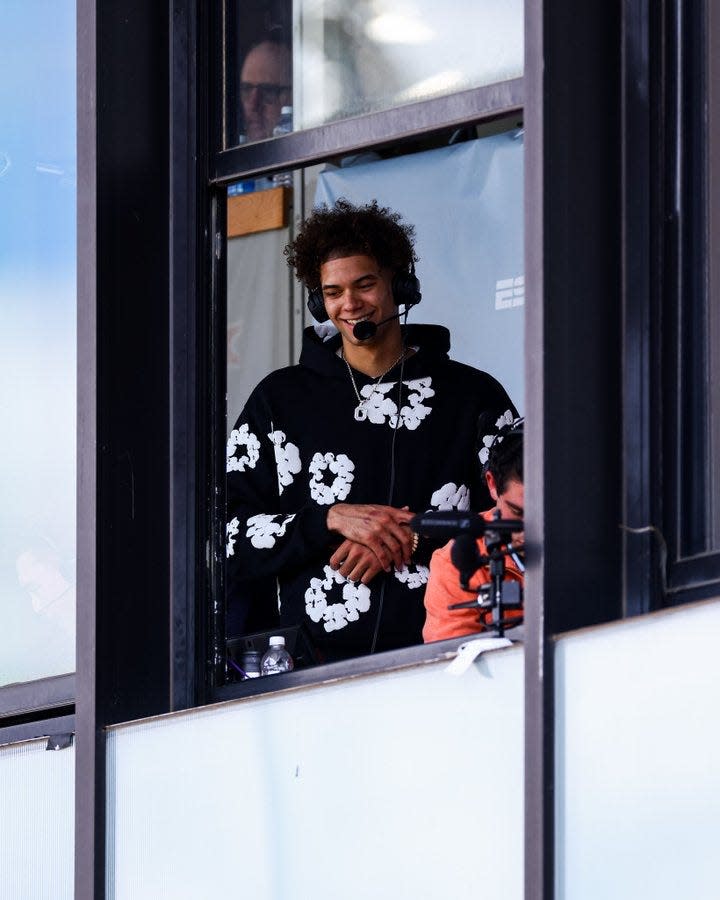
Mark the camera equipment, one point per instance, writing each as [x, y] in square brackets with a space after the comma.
[449, 523]
[499, 595]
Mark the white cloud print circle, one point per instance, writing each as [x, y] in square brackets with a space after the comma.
[334, 616]
[341, 467]
[242, 439]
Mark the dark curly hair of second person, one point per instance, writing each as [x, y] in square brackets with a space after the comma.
[348, 230]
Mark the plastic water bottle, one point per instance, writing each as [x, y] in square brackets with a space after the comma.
[250, 664]
[284, 123]
[284, 126]
[276, 658]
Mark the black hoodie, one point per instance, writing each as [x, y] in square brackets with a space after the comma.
[298, 448]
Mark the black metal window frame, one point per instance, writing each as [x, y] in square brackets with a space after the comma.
[48, 727]
[667, 289]
[501, 100]
[35, 700]
[688, 291]
[139, 70]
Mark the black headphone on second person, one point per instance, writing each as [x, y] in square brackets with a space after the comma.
[405, 291]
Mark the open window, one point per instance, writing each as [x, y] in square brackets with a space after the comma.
[455, 174]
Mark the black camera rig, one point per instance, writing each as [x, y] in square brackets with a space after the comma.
[498, 595]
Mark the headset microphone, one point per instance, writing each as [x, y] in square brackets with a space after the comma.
[363, 331]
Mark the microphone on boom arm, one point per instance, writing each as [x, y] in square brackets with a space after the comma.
[466, 528]
[466, 558]
[446, 524]
[363, 331]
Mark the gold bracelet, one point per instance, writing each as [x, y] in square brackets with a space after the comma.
[415, 542]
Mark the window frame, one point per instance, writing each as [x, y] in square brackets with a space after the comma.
[687, 297]
[574, 73]
[375, 130]
[370, 131]
[25, 701]
[667, 302]
[37, 728]
[28, 698]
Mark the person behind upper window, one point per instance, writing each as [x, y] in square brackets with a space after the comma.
[265, 87]
[502, 459]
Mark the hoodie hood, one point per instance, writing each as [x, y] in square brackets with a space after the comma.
[432, 341]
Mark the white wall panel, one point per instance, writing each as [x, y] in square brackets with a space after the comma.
[36, 822]
[638, 765]
[401, 785]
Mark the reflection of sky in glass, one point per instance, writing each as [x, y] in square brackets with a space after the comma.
[358, 56]
[37, 338]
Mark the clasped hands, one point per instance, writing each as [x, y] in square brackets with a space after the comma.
[376, 539]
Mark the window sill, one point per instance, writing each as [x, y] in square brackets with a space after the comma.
[330, 673]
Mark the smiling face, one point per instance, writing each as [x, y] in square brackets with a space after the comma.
[355, 289]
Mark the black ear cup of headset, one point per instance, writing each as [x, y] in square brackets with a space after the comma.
[316, 305]
[405, 290]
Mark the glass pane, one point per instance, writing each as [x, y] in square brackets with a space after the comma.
[37, 803]
[37, 339]
[270, 828]
[635, 758]
[465, 201]
[693, 424]
[356, 57]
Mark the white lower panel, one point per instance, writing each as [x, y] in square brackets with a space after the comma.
[37, 805]
[638, 759]
[401, 785]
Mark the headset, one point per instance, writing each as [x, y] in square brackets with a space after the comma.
[516, 428]
[405, 291]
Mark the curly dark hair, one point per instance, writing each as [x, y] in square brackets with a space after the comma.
[348, 230]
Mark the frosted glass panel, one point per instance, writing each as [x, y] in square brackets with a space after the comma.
[36, 822]
[638, 769]
[37, 339]
[402, 785]
[359, 56]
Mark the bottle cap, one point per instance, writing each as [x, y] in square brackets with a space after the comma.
[277, 640]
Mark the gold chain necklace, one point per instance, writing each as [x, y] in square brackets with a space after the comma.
[361, 412]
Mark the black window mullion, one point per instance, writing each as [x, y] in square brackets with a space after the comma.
[573, 475]
[642, 538]
[314, 145]
[215, 413]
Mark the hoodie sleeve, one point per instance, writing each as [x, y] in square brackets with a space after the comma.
[266, 534]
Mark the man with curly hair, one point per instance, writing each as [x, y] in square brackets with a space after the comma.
[331, 458]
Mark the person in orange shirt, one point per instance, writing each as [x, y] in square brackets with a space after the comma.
[502, 458]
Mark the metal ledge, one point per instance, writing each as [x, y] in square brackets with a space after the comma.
[29, 697]
[301, 148]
